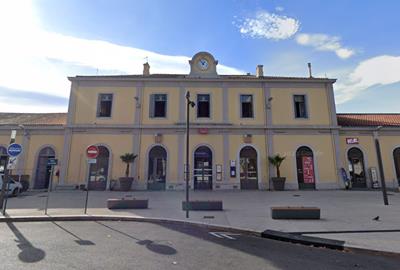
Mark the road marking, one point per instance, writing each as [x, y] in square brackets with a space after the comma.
[223, 235]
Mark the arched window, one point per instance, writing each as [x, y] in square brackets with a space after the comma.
[248, 168]
[357, 172]
[396, 158]
[3, 159]
[157, 169]
[98, 172]
[43, 170]
[203, 168]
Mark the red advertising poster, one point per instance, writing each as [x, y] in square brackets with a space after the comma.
[308, 170]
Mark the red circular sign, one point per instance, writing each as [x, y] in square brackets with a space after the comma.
[92, 151]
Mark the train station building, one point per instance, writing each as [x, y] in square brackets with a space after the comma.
[237, 122]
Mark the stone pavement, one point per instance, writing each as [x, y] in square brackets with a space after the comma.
[340, 211]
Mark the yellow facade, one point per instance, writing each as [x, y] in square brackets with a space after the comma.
[228, 149]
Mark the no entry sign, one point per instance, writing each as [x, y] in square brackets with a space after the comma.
[92, 151]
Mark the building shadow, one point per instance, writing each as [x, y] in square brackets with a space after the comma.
[154, 246]
[28, 253]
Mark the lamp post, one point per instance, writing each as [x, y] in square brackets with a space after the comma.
[381, 173]
[189, 104]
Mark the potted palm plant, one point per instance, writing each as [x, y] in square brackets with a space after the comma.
[126, 182]
[278, 181]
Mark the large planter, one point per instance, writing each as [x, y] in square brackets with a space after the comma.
[127, 204]
[278, 183]
[202, 205]
[125, 183]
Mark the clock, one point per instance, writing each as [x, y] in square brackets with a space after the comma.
[202, 64]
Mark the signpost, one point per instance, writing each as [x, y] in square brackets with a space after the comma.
[50, 162]
[91, 153]
[14, 152]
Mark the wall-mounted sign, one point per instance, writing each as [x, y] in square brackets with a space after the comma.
[92, 151]
[352, 140]
[233, 168]
[203, 130]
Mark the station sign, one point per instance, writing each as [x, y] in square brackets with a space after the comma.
[352, 140]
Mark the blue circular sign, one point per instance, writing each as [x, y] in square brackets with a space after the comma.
[14, 150]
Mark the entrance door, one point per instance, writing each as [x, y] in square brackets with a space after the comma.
[203, 168]
[98, 172]
[248, 168]
[305, 168]
[357, 172]
[3, 159]
[43, 171]
[157, 170]
[396, 158]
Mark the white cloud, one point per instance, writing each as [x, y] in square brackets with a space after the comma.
[36, 60]
[270, 26]
[323, 42]
[279, 8]
[379, 70]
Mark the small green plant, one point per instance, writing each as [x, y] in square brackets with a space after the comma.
[276, 161]
[128, 158]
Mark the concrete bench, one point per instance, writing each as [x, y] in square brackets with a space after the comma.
[288, 212]
[203, 205]
[127, 204]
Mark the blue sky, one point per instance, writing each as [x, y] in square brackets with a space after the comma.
[44, 41]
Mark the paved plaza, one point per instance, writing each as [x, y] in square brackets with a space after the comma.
[340, 211]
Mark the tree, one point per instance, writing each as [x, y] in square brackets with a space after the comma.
[128, 158]
[276, 161]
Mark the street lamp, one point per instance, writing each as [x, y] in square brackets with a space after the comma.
[189, 104]
[382, 175]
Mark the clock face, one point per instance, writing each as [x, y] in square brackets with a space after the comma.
[203, 64]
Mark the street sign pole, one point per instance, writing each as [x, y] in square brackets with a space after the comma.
[92, 152]
[49, 189]
[5, 176]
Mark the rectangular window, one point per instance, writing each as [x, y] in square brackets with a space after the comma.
[246, 103]
[158, 105]
[104, 105]
[300, 110]
[203, 105]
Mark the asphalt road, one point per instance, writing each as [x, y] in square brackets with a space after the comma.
[136, 245]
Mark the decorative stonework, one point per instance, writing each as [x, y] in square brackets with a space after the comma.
[203, 65]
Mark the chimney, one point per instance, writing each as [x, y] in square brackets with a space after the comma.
[309, 70]
[146, 69]
[259, 71]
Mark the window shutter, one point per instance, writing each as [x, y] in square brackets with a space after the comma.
[151, 106]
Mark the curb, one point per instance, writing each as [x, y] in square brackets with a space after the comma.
[304, 240]
[268, 234]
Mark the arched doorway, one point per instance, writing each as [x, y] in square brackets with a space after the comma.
[248, 168]
[3, 159]
[98, 172]
[157, 170]
[203, 172]
[43, 170]
[357, 168]
[396, 158]
[305, 168]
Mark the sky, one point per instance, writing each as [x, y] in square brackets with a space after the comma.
[42, 42]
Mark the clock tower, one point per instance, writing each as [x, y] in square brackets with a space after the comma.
[203, 65]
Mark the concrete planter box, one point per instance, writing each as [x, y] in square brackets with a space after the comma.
[127, 204]
[295, 213]
[125, 183]
[278, 183]
[203, 205]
